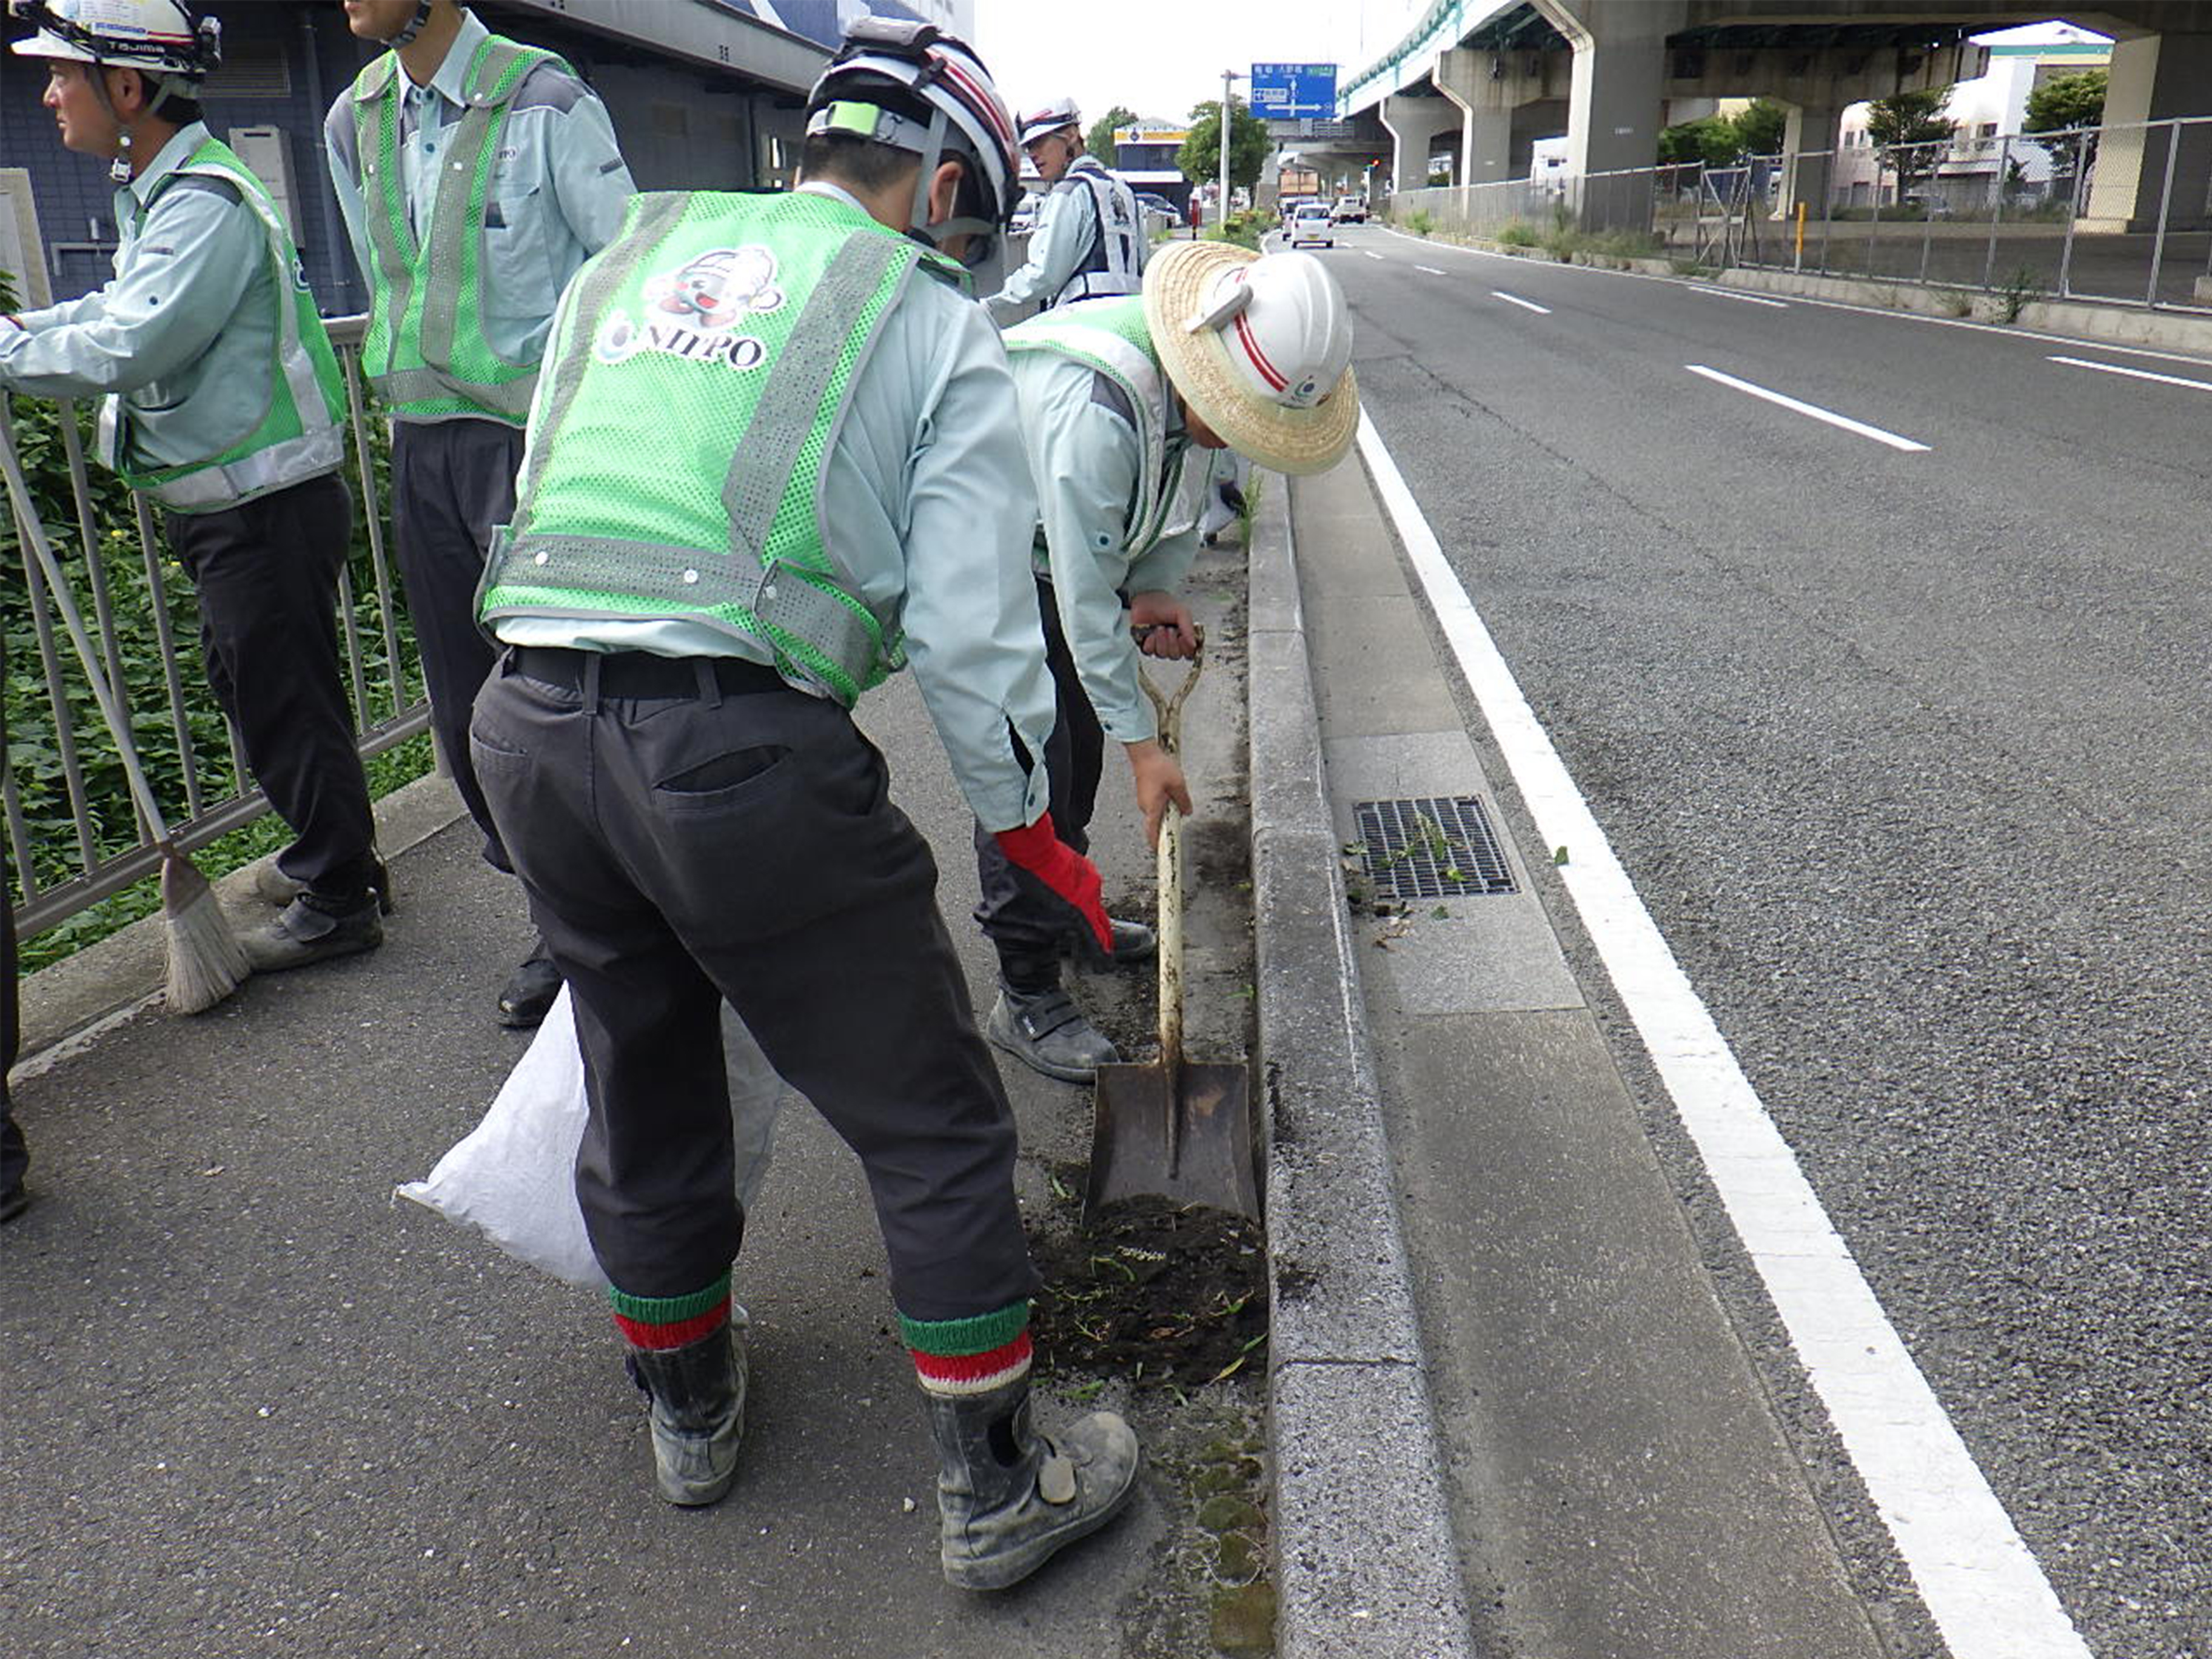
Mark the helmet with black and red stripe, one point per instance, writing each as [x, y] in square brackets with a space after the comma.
[914, 88]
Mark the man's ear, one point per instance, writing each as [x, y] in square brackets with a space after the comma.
[126, 90]
[943, 191]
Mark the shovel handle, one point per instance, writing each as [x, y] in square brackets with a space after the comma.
[1169, 710]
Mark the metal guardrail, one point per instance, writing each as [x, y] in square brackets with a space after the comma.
[73, 837]
[2002, 214]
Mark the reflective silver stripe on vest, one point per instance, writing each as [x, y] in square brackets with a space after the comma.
[792, 401]
[293, 461]
[1115, 262]
[451, 227]
[406, 385]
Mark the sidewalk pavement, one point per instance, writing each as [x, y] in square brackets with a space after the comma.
[255, 1407]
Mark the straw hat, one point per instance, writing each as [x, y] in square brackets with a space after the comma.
[1260, 348]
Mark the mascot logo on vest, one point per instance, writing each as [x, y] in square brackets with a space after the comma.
[694, 312]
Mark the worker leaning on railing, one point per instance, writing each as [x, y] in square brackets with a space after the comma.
[223, 402]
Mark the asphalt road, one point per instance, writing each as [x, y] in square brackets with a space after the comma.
[1905, 750]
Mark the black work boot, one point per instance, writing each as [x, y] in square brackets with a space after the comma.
[1134, 943]
[527, 996]
[272, 886]
[698, 1395]
[1046, 1031]
[1011, 1497]
[314, 928]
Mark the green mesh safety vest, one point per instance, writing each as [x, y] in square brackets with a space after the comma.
[698, 370]
[298, 435]
[1110, 336]
[425, 348]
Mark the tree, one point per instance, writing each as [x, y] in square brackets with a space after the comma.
[1200, 158]
[1762, 128]
[1906, 128]
[1710, 140]
[2066, 103]
[1099, 141]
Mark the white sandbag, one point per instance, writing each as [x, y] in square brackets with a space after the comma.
[513, 1176]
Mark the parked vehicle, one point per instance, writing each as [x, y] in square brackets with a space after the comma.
[1351, 210]
[1310, 223]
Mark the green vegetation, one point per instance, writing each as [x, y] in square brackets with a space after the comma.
[1245, 229]
[1419, 222]
[1099, 141]
[2064, 105]
[1514, 233]
[1200, 158]
[1720, 141]
[1906, 129]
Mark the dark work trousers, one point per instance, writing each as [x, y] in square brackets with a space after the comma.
[266, 571]
[713, 841]
[452, 483]
[15, 1157]
[1028, 926]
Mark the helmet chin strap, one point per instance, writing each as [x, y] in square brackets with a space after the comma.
[414, 26]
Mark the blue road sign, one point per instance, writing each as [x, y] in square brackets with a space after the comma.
[1294, 92]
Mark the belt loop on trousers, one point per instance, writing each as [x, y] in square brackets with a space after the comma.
[591, 662]
[710, 687]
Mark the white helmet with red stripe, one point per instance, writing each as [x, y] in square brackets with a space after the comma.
[1260, 348]
[1047, 119]
[914, 88]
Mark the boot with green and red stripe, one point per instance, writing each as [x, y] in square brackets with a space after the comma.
[1010, 1498]
[687, 1353]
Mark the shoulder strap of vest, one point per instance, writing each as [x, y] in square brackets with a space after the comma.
[1109, 343]
[499, 68]
[376, 78]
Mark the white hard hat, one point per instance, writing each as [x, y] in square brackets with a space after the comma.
[1047, 119]
[942, 105]
[162, 38]
[1260, 348]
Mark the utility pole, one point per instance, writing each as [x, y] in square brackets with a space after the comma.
[1227, 76]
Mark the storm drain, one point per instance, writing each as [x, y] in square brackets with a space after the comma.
[1431, 848]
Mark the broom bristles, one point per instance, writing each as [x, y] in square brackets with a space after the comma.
[205, 963]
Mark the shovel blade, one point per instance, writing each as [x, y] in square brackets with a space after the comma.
[1188, 1138]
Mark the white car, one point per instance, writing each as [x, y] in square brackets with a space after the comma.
[1310, 223]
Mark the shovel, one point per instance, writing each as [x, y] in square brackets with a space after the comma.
[1173, 1128]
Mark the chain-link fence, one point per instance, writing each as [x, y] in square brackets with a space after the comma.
[74, 836]
[2117, 213]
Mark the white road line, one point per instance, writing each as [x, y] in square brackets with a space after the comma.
[1814, 410]
[1984, 1590]
[1888, 312]
[1431, 270]
[1369, 252]
[2134, 374]
[1747, 299]
[1515, 300]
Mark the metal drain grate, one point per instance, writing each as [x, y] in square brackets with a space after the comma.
[1431, 848]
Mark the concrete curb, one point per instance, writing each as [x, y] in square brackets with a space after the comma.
[123, 973]
[1366, 1563]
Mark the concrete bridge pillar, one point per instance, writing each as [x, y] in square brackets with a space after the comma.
[1809, 159]
[2152, 78]
[1619, 73]
[1489, 89]
[1414, 125]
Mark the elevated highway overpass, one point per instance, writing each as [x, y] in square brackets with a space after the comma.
[1483, 79]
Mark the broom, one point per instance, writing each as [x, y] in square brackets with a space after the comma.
[204, 962]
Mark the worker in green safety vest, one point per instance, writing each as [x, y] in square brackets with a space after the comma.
[1114, 393]
[222, 401]
[475, 175]
[774, 457]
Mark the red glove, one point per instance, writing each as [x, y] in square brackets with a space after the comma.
[1072, 877]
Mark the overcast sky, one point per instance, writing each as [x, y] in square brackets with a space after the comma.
[1160, 57]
